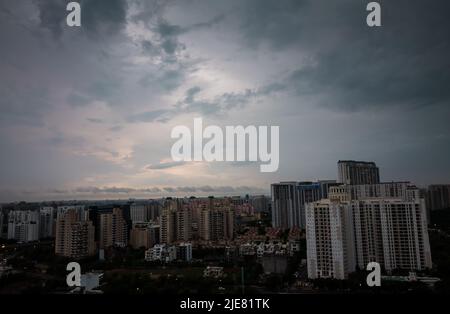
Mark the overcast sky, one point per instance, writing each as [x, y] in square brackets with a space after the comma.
[87, 112]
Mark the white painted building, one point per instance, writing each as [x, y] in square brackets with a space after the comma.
[23, 225]
[161, 252]
[392, 232]
[384, 223]
[330, 249]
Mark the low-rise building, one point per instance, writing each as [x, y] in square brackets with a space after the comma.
[213, 272]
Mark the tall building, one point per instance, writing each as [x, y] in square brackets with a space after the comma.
[175, 222]
[357, 172]
[23, 225]
[308, 192]
[183, 224]
[144, 212]
[285, 207]
[260, 203]
[400, 190]
[46, 222]
[289, 199]
[392, 232]
[141, 236]
[167, 222]
[217, 224]
[155, 234]
[3, 220]
[79, 210]
[438, 196]
[197, 206]
[113, 229]
[388, 226]
[184, 251]
[74, 234]
[330, 248]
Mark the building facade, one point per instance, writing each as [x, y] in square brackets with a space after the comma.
[46, 222]
[438, 196]
[141, 236]
[113, 229]
[217, 224]
[330, 246]
[144, 212]
[352, 172]
[74, 235]
[184, 252]
[289, 200]
[23, 225]
[388, 225]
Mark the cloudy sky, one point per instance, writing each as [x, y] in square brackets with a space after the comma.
[87, 112]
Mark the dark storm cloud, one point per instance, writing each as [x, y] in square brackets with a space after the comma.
[58, 140]
[221, 104]
[218, 106]
[299, 64]
[52, 14]
[23, 107]
[277, 22]
[104, 16]
[149, 116]
[405, 62]
[99, 17]
[166, 80]
[78, 100]
[168, 36]
[107, 85]
[165, 43]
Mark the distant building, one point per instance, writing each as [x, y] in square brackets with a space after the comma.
[74, 235]
[46, 222]
[80, 211]
[294, 247]
[113, 229]
[438, 196]
[285, 206]
[357, 172]
[400, 190]
[184, 251]
[183, 224]
[392, 232]
[161, 252]
[329, 236]
[144, 212]
[3, 224]
[217, 224]
[260, 203]
[23, 225]
[274, 264]
[175, 222]
[289, 199]
[213, 272]
[384, 223]
[155, 233]
[141, 236]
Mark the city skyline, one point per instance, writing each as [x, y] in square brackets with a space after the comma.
[87, 113]
[112, 194]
